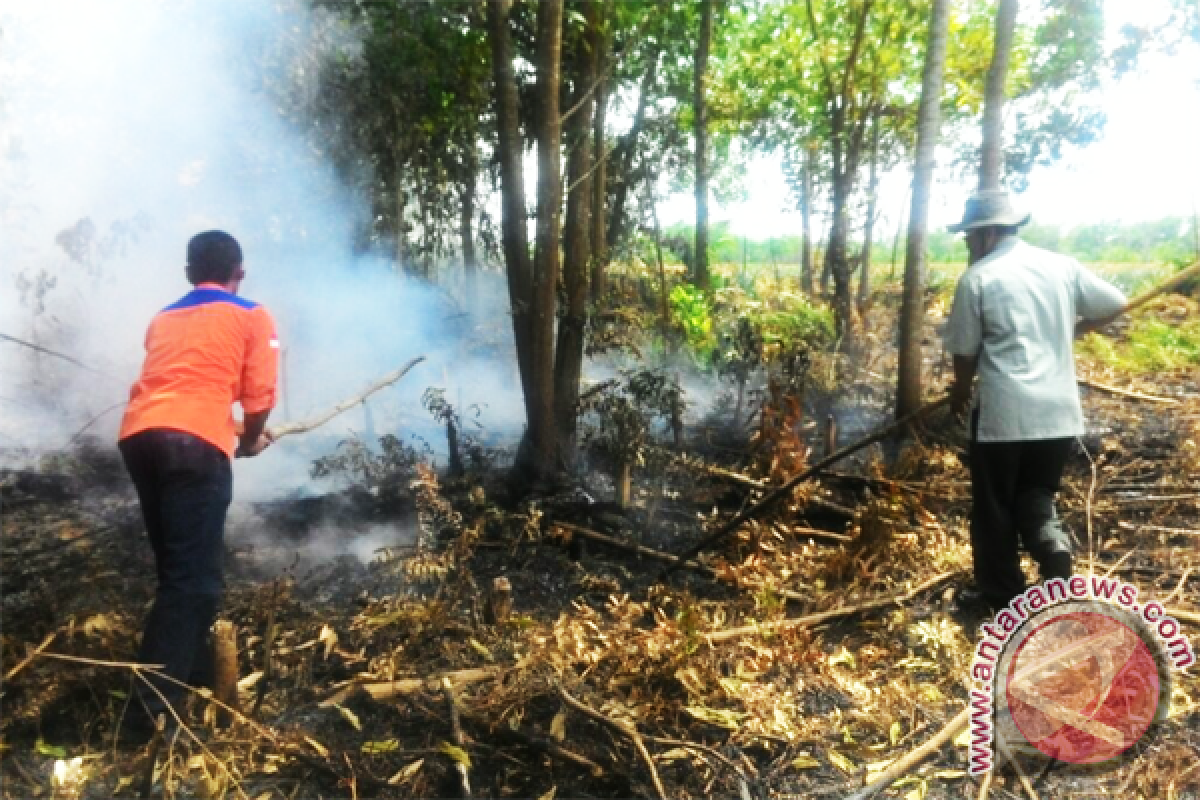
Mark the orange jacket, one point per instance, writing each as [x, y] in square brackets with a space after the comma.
[203, 354]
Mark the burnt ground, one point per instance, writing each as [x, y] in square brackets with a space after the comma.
[341, 660]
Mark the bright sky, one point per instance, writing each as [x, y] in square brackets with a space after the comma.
[1145, 166]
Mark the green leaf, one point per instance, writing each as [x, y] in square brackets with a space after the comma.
[805, 762]
[720, 717]
[457, 753]
[379, 748]
[842, 762]
[52, 750]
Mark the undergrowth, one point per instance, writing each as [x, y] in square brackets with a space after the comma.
[1167, 338]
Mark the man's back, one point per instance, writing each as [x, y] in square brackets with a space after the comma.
[1016, 310]
[203, 353]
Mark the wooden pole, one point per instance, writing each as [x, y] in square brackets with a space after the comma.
[1174, 281]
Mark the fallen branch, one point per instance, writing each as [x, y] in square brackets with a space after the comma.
[8, 676]
[901, 766]
[319, 420]
[786, 489]
[1149, 398]
[381, 691]
[537, 744]
[826, 616]
[657, 555]
[626, 728]
[746, 482]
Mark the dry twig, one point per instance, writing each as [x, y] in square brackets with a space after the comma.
[626, 728]
[901, 766]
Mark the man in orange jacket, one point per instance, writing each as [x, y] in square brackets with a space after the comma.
[203, 353]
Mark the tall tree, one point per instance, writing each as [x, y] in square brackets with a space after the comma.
[542, 452]
[991, 163]
[700, 111]
[577, 235]
[514, 235]
[912, 311]
[599, 182]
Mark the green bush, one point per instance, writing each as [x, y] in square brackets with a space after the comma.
[691, 309]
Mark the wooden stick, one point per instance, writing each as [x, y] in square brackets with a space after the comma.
[538, 744]
[464, 779]
[786, 489]
[627, 729]
[319, 420]
[986, 785]
[8, 676]
[1166, 286]
[901, 766]
[641, 550]
[1149, 398]
[38, 348]
[825, 616]
[1007, 752]
[1184, 616]
[381, 691]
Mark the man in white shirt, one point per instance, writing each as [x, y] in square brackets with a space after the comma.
[1016, 311]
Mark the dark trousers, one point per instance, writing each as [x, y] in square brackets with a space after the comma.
[185, 486]
[1013, 485]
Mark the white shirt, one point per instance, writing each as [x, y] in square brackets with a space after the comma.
[1016, 310]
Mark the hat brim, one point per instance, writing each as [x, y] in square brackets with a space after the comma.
[1014, 221]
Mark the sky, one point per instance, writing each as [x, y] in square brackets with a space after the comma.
[1145, 166]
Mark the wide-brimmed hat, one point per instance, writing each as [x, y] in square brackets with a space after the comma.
[989, 207]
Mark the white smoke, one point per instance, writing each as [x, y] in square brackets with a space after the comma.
[126, 127]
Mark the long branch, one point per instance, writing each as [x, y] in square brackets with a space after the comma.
[345, 405]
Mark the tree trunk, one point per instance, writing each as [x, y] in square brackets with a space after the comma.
[466, 224]
[542, 452]
[700, 105]
[912, 312]
[401, 225]
[806, 246]
[599, 208]
[225, 669]
[514, 234]
[663, 307]
[623, 178]
[864, 278]
[624, 484]
[837, 262]
[991, 164]
[568, 366]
